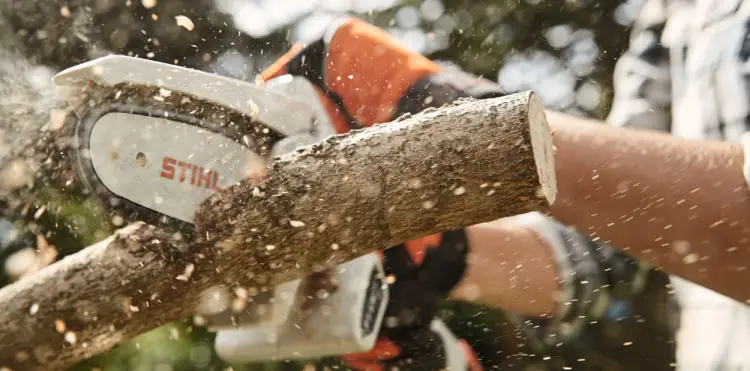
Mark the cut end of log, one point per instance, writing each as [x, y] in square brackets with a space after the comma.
[542, 146]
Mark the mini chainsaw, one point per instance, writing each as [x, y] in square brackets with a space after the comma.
[154, 140]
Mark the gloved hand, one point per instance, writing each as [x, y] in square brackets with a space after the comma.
[363, 77]
[427, 349]
[411, 338]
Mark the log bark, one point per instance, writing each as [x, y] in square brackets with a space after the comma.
[376, 188]
[442, 169]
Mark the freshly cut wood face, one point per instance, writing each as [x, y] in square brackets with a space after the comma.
[544, 154]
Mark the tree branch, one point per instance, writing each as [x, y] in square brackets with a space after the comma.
[442, 169]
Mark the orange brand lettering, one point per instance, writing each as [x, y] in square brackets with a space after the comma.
[167, 164]
[183, 166]
[215, 185]
[204, 176]
[198, 176]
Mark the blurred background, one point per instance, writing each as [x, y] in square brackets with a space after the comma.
[564, 50]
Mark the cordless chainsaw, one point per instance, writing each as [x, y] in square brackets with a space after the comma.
[154, 140]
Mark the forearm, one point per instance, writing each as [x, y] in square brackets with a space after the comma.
[677, 204]
[509, 267]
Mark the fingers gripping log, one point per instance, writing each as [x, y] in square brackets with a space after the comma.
[442, 169]
[472, 162]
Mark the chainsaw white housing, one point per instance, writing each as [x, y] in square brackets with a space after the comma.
[169, 164]
[345, 321]
[275, 110]
[300, 89]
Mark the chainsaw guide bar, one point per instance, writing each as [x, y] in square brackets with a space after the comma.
[140, 102]
[154, 140]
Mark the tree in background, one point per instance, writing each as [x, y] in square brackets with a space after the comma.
[564, 50]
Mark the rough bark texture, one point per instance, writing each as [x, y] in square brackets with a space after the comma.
[471, 162]
[467, 163]
[90, 301]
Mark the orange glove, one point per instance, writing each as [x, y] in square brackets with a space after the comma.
[364, 77]
[361, 72]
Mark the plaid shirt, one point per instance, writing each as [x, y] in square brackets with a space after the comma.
[687, 71]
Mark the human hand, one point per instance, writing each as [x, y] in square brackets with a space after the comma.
[419, 273]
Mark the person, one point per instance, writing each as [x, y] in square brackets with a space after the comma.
[685, 73]
[363, 77]
[407, 339]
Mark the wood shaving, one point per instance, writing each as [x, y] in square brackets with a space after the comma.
[185, 22]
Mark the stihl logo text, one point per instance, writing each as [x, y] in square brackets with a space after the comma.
[193, 174]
